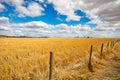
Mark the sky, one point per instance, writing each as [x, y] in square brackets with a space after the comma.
[60, 18]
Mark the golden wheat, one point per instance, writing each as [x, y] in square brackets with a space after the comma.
[28, 58]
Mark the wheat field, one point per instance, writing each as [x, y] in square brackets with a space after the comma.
[28, 58]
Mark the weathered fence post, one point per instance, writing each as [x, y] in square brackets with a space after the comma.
[107, 46]
[111, 44]
[90, 64]
[101, 49]
[51, 65]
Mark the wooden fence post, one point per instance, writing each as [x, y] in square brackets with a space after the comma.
[101, 50]
[111, 44]
[51, 65]
[108, 46]
[90, 64]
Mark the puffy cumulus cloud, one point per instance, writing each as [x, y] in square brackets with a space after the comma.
[109, 12]
[4, 26]
[65, 7]
[94, 9]
[103, 29]
[33, 9]
[37, 24]
[4, 23]
[42, 29]
[62, 26]
[100, 12]
[1, 7]
[41, 1]
[4, 20]
[34, 28]
[75, 28]
[102, 34]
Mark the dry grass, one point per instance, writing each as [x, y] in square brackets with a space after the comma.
[28, 58]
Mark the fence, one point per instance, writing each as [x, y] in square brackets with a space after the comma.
[90, 66]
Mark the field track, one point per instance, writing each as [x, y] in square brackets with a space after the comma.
[110, 69]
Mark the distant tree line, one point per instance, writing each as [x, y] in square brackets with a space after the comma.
[22, 36]
[82, 37]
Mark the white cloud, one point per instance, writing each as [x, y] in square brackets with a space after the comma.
[62, 26]
[41, 1]
[4, 20]
[65, 7]
[42, 29]
[37, 24]
[1, 7]
[101, 12]
[33, 9]
[101, 28]
[104, 13]
[4, 26]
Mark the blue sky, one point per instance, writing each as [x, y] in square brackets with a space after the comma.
[50, 15]
[59, 18]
